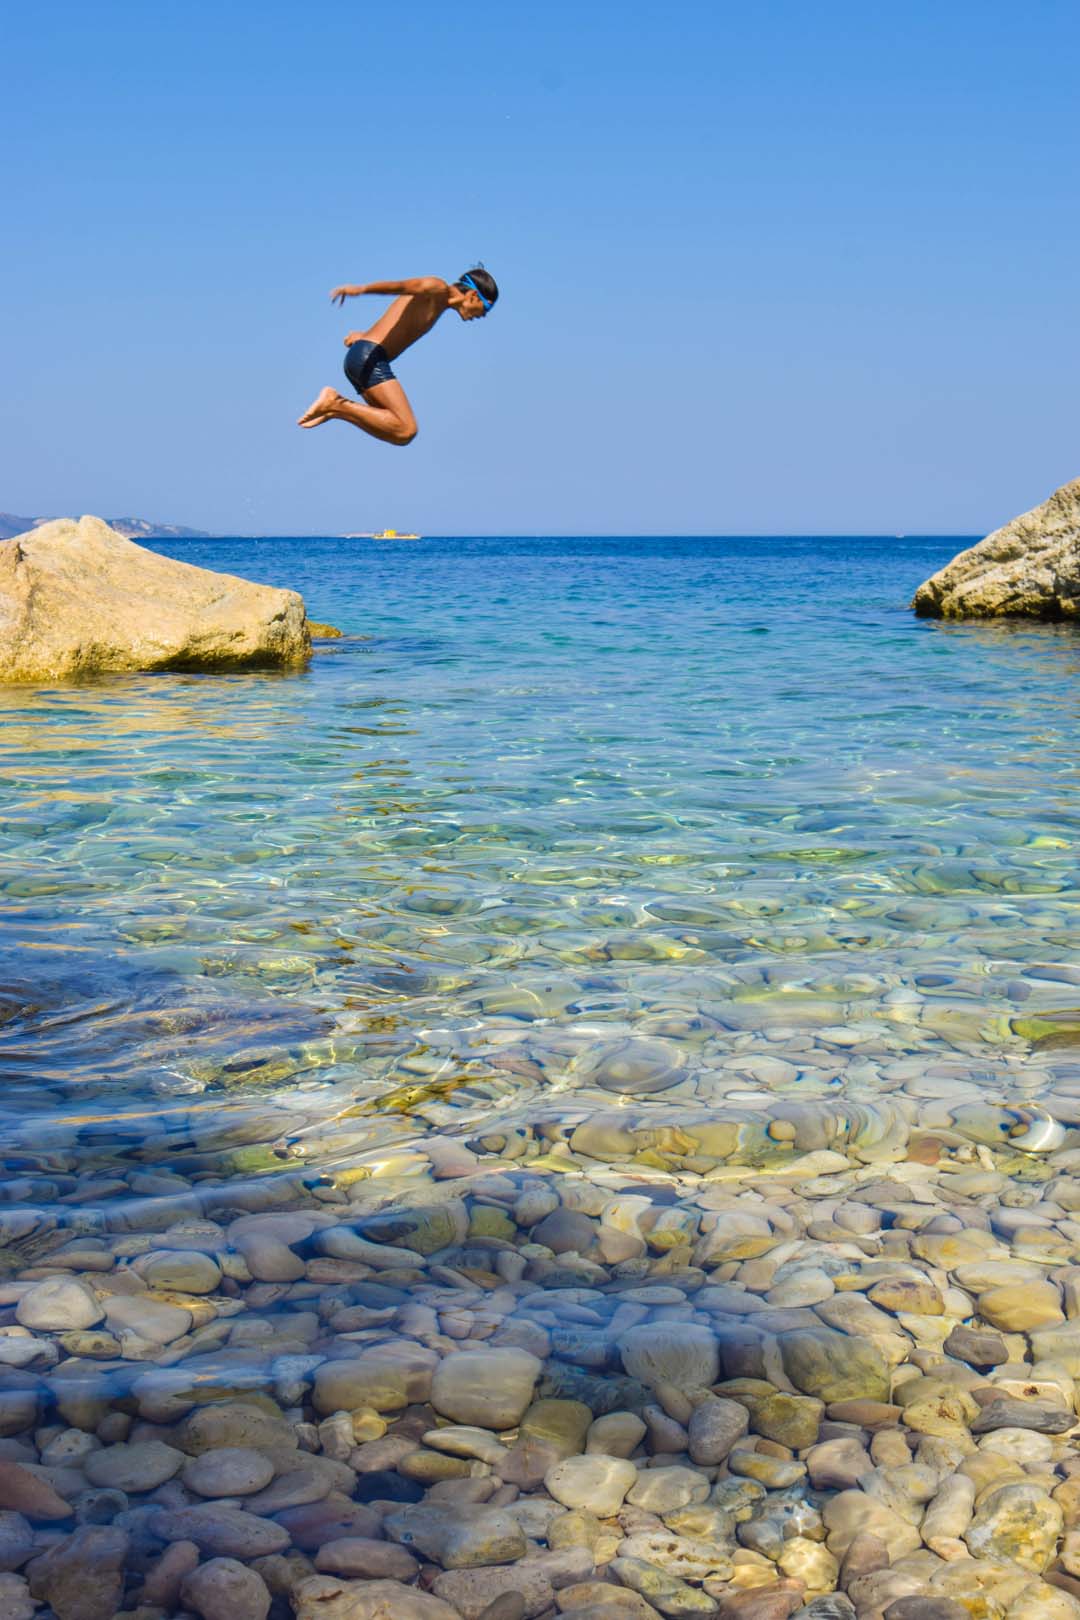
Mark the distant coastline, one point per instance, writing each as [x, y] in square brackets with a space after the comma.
[136, 528]
[133, 528]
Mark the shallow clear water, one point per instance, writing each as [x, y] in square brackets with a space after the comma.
[558, 827]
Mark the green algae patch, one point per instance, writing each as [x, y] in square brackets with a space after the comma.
[1049, 1031]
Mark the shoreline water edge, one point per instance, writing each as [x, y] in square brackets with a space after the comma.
[589, 1133]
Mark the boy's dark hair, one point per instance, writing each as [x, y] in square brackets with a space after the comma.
[485, 283]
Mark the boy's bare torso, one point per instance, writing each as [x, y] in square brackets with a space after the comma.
[406, 320]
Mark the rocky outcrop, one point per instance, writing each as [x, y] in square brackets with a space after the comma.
[1030, 569]
[78, 599]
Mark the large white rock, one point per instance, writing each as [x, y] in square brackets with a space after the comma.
[1029, 569]
[78, 599]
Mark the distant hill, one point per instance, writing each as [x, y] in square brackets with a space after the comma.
[134, 528]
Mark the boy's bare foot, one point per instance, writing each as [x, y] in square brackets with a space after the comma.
[319, 410]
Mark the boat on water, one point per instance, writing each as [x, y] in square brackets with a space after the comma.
[384, 534]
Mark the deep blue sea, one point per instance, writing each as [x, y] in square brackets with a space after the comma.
[556, 821]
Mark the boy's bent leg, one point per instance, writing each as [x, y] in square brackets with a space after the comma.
[386, 413]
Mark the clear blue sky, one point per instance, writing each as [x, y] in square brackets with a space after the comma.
[766, 267]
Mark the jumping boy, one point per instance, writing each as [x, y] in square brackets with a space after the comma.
[418, 303]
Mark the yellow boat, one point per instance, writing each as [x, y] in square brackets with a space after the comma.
[393, 534]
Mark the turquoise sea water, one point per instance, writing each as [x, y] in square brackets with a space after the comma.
[559, 826]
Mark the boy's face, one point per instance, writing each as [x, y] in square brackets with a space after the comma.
[471, 307]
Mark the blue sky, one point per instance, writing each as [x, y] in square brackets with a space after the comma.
[766, 268]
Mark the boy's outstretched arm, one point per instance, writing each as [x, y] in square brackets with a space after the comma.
[391, 289]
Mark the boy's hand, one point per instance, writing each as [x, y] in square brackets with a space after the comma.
[339, 294]
[353, 337]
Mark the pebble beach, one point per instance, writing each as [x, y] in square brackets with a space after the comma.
[569, 1107]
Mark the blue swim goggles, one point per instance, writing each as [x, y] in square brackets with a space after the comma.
[467, 281]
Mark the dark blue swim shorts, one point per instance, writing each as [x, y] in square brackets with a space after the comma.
[367, 364]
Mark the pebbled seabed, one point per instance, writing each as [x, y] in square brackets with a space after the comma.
[571, 1106]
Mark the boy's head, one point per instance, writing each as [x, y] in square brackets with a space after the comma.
[480, 291]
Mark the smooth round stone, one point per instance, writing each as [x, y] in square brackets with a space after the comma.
[1020, 1522]
[952, 1250]
[688, 1559]
[663, 1490]
[299, 1485]
[598, 1484]
[22, 1352]
[460, 1440]
[359, 1557]
[315, 1523]
[790, 1420]
[1019, 1307]
[100, 1506]
[30, 1494]
[665, 1592]
[565, 1231]
[617, 1434]
[714, 1427]
[976, 1276]
[810, 1562]
[853, 1513]
[635, 1067]
[458, 1536]
[474, 1593]
[838, 1464]
[183, 1271]
[133, 1468]
[945, 1414]
[230, 1471]
[1044, 1416]
[224, 1532]
[418, 1230]
[808, 1286]
[775, 1473]
[976, 1347]
[1022, 1445]
[223, 1589]
[600, 1600]
[485, 1222]
[561, 1425]
[59, 1305]
[268, 1259]
[150, 1319]
[68, 1448]
[906, 1294]
[386, 1378]
[431, 1467]
[534, 1203]
[233, 1423]
[684, 1354]
[490, 1389]
[834, 1366]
